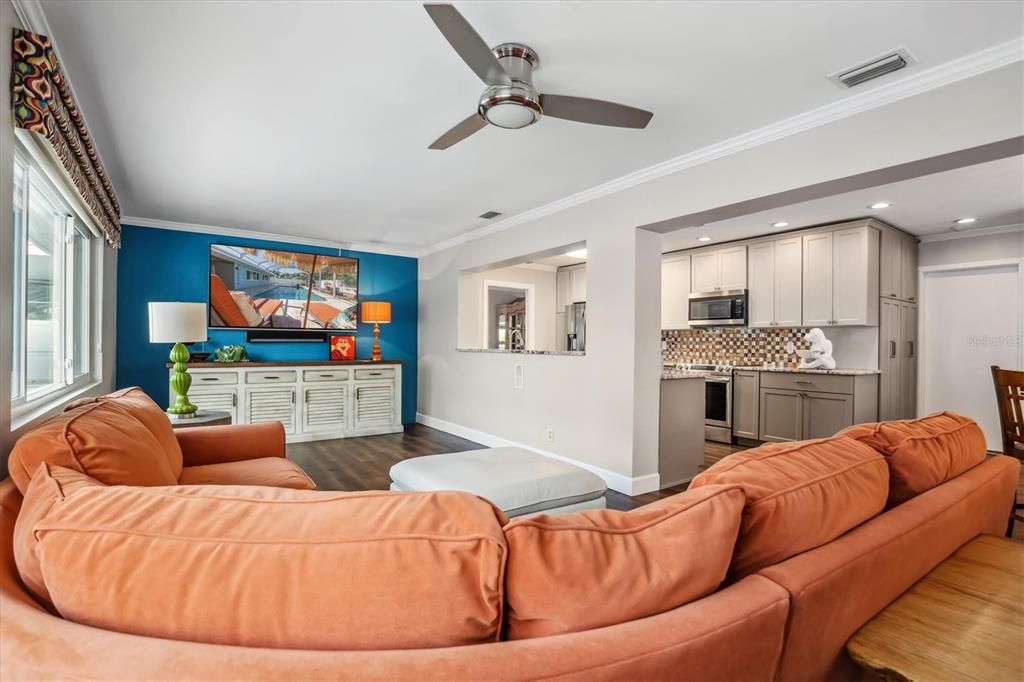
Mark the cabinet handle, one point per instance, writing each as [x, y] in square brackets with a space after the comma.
[234, 400]
[305, 397]
[271, 377]
[326, 376]
[892, 349]
[801, 381]
[293, 396]
[209, 379]
[910, 349]
[911, 298]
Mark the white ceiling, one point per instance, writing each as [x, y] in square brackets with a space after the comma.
[991, 192]
[313, 118]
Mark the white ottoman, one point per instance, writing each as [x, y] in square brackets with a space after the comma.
[517, 481]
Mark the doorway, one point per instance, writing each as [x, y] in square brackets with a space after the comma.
[971, 319]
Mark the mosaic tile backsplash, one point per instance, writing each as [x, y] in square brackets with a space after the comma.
[740, 346]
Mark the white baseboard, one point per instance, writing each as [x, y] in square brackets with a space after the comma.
[637, 485]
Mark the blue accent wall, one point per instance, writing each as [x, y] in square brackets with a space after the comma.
[170, 265]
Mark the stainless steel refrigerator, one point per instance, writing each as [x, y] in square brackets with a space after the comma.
[576, 326]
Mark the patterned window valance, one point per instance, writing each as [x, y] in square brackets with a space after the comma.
[43, 104]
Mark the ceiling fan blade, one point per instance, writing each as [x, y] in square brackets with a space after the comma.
[459, 132]
[468, 43]
[596, 111]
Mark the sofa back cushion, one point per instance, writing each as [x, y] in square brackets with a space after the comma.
[266, 567]
[48, 486]
[120, 439]
[799, 496]
[601, 567]
[923, 453]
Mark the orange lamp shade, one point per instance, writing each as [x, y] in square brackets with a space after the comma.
[376, 312]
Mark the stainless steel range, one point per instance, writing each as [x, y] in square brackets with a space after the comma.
[717, 399]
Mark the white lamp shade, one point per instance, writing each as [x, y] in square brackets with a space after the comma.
[177, 322]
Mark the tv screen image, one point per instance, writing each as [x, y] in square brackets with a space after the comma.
[254, 288]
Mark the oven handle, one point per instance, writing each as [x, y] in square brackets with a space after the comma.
[719, 380]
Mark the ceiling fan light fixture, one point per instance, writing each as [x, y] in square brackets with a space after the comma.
[510, 115]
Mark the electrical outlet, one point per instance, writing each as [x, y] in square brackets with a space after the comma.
[517, 376]
[551, 434]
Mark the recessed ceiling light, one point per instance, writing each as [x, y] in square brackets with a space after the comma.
[578, 253]
[964, 221]
[880, 204]
[703, 239]
[781, 223]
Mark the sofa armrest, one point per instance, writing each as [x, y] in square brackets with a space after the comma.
[237, 442]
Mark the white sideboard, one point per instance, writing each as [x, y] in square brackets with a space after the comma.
[314, 401]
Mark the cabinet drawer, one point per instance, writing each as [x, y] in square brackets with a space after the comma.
[383, 373]
[271, 377]
[213, 378]
[325, 375]
[825, 383]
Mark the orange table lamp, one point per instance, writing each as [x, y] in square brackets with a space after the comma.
[377, 312]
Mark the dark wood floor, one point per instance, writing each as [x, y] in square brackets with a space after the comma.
[363, 463]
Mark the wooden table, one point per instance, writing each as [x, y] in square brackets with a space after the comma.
[202, 418]
[962, 621]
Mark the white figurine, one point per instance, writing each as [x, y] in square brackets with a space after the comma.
[820, 354]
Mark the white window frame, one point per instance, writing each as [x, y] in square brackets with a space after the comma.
[52, 183]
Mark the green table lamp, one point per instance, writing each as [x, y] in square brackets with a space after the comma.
[178, 323]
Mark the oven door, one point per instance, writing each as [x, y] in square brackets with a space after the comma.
[718, 401]
[725, 309]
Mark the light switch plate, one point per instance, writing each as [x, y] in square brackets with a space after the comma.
[517, 376]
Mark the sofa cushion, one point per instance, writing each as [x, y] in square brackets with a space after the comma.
[601, 567]
[49, 484]
[271, 567]
[923, 453]
[275, 471]
[120, 439]
[799, 496]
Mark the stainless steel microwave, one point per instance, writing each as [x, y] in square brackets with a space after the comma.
[719, 309]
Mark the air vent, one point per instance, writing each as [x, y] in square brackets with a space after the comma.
[490, 214]
[875, 68]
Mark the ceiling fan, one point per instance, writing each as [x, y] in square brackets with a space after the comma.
[510, 100]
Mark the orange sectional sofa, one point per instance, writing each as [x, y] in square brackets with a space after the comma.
[762, 571]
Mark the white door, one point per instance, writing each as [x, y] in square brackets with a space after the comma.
[970, 319]
[789, 282]
[675, 291]
[563, 290]
[323, 407]
[579, 285]
[732, 266]
[761, 278]
[704, 276]
[271, 404]
[851, 263]
[817, 254]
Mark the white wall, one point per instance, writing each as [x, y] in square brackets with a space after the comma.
[972, 249]
[8, 435]
[603, 407]
[471, 304]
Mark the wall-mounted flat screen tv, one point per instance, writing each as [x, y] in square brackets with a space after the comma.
[254, 288]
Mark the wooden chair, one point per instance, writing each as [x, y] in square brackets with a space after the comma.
[1010, 400]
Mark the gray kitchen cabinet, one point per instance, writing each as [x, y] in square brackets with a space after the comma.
[800, 405]
[908, 360]
[745, 395]
[897, 360]
[889, 264]
[825, 414]
[781, 415]
[908, 269]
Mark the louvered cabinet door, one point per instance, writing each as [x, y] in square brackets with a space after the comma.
[375, 404]
[222, 399]
[324, 408]
[271, 404]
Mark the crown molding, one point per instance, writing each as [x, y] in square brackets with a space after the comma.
[921, 81]
[963, 234]
[366, 247]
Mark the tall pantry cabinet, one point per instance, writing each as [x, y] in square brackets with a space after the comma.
[897, 328]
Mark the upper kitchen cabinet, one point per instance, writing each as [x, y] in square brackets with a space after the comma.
[774, 276]
[675, 291]
[840, 278]
[719, 270]
[570, 285]
[898, 262]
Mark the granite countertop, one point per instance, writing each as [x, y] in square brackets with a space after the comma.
[839, 371]
[521, 352]
[669, 374]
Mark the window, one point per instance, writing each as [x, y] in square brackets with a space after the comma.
[53, 254]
